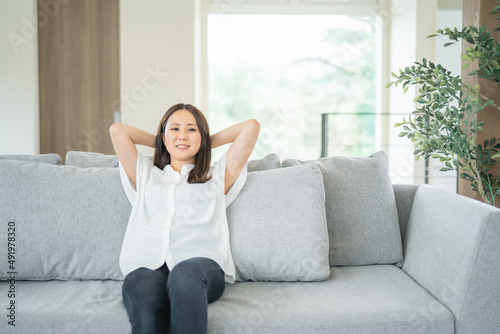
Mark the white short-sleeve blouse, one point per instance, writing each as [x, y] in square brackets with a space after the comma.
[172, 220]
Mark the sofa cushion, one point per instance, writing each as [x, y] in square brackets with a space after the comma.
[365, 299]
[361, 210]
[278, 226]
[91, 159]
[49, 158]
[371, 299]
[64, 307]
[69, 221]
[270, 161]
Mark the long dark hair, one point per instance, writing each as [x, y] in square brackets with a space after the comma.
[161, 157]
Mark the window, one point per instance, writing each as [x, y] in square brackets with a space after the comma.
[313, 72]
[288, 70]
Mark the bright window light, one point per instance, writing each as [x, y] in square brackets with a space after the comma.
[286, 71]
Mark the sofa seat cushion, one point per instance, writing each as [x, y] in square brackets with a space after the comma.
[92, 307]
[365, 299]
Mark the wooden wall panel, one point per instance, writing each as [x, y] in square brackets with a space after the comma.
[477, 13]
[79, 74]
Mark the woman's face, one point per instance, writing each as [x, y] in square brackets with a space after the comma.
[182, 137]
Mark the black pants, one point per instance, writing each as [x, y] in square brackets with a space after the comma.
[157, 299]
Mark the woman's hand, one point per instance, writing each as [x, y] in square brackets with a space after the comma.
[243, 136]
[124, 138]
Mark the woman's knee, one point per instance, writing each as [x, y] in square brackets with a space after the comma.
[146, 301]
[185, 275]
[144, 286]
[197, 275]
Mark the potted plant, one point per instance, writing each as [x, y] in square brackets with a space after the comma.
[444, 123]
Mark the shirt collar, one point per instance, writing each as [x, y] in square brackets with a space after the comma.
[185, 169]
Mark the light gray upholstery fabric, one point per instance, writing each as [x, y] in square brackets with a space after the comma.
[278, 226]
[70, 221]
[90, 159]
[366, 299]
[270, 161]
[69, 307]
[360, 210]
[49, 158]
[404, 194]
[453, 250]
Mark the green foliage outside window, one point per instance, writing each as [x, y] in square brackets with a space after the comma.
[289, 98]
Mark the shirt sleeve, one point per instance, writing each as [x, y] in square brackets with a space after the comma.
[219, 174]
[142, 167]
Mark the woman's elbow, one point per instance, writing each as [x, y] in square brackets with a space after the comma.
[114, 129]
[254, 125]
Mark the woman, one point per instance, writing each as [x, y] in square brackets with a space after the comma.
[175, 255]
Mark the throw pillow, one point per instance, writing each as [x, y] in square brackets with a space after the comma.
[270, 161]
[360, 210]
[69, 221]
[49, 158]
[278, 228]
[92, 159]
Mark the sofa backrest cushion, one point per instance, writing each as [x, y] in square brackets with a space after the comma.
[278, 226]
[69, 221]
[91, 159]
[270, 161]
[360, 210]
[49, 158]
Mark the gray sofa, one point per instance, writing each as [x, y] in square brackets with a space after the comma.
[324, 246]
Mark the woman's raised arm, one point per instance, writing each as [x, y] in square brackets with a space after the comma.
[243, 136]
[124, 138]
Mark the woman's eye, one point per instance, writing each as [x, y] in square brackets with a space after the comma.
[192, 130]
[174, 129]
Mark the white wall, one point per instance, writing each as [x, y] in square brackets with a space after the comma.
[157, 45]
[412, 21]
[449, 57]
[157, 50]
[19, 124]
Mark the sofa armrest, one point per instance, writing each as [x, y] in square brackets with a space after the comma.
[452, 249]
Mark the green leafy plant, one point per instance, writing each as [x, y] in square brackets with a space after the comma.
[444, 124]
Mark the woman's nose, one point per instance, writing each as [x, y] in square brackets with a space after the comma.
[183, 134]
